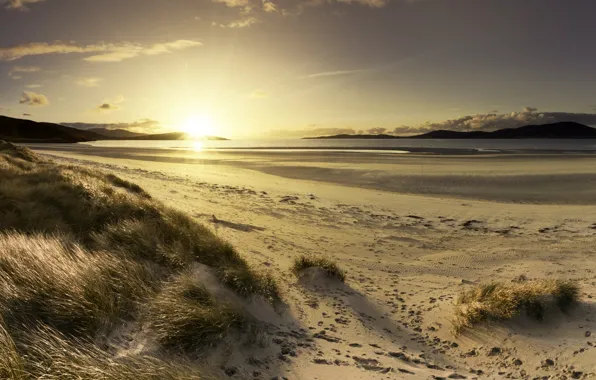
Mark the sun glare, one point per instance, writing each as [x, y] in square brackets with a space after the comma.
[199, 126]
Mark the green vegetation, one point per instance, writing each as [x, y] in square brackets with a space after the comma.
[500, 301]
[330, 267]
[84, 253]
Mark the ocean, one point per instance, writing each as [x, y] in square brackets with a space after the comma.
[382, 146]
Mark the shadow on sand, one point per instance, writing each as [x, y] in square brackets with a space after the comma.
[384, 327]
[236, 226]
[556, 325]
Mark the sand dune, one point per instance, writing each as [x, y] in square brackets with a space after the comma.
[407, 256]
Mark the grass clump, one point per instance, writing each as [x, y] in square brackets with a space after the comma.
[503, 301]
[330, 267]
[186, 316]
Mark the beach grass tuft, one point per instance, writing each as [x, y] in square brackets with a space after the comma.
[186, 316]
[330, 267]
[503, 301]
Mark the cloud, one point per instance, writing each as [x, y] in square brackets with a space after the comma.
[260, 9]
[259, 94]
[332, 73]
[234, 3]
[33, 99]
[103, 52]
[16, 71]
[109, 105]
[140, 126]
[34, 85]
[88, 82]
[494, 121]
[369, 3]
[269, 6]
[376, 131]
[27, 114]
[240, 23]
[20, 4]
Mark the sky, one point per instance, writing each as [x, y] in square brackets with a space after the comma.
[288, 68]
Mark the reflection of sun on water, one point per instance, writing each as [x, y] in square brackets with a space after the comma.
[198, 146]
[199, 126]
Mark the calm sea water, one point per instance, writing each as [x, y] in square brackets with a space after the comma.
[396, 146]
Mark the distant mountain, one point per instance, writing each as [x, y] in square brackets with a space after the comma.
[20, 130]
[346, 136]
[561, 130]
[173, 136]
[116, 133]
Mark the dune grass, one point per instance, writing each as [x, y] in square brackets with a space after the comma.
[82, 253]
[186, 316]
[503, 301]
[330, 267]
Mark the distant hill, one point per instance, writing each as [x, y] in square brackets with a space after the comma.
[116, 133]
[346, 136]
[20, 130]
[561, 130]
[172, 136]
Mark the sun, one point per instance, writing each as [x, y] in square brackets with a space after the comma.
[199, 126]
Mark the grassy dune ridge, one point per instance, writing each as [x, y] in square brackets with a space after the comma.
[82, 253]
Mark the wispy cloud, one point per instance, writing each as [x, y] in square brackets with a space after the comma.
[33, 99]
[17, 71]
[104, 52]
[234, 3]
[34, 85]
[332, 73]
[258, 9]
[240, 23]
[20, 5]
[89, 82]
[370, 3]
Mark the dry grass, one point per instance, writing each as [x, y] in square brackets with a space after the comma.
[186, 316]
[330, 267]
[57, 357]
[503, 301]
[82, 253]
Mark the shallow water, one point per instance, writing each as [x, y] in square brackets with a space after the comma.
[395, 146]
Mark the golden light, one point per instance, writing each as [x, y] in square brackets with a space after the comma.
[199, 126]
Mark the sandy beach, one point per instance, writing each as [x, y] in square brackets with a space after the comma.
[412, 232]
